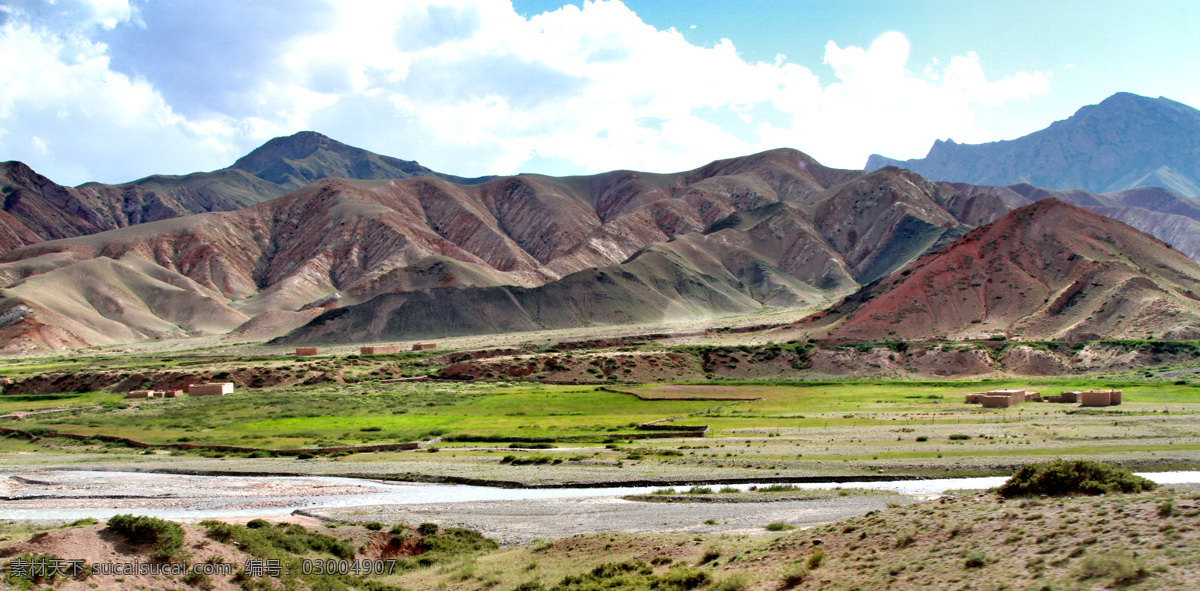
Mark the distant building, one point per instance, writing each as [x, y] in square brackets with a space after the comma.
[424, 346]
[154, 394]
[380, 350]
[1003, 398]
[212, 389]
[305, 351]
[1099, 397]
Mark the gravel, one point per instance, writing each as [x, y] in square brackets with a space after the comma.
[524, 522]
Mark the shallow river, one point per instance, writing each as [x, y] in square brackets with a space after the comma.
[78, 494]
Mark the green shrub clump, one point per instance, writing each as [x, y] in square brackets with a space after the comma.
[164, 536]
[1070, 477]
[632, 576]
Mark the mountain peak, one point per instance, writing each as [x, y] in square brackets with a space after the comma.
[1117, 144]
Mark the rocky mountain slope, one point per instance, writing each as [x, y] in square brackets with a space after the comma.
[522, 252]
[35, 208]
[1125, 141]
[1045, 271]
[353, 260]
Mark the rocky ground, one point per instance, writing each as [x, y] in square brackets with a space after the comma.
[524, 522]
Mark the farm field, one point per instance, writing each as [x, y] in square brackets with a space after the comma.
[544, 433]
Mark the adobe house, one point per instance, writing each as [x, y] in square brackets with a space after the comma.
[1099, 397]
[996, 400]
[424, 346]
[974, 398]
[171, 393]
[380, 350]
[211, 389]
[1070, 396]
[305, 351]
[1017, 395]
[140, 394]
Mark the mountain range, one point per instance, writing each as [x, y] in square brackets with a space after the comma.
[310, 240]
[1125, 141]
[36, 209]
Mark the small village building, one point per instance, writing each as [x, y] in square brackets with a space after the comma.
[996, 400]
[171, 393]
[380, 350]
[1099, 397]
[1070, 396]
[211, 389]
[140, 394]
[974, 398]
[424, 346]
[305, 351]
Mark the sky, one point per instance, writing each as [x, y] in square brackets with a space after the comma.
[115, 90]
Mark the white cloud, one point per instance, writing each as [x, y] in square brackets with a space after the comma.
[465, 86]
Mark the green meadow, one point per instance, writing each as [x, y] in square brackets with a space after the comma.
[865, 419]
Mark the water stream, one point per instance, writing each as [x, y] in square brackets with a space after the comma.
[75, 495]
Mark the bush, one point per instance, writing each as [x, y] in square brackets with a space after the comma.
[959, 437]
[198, 580]
[427, 529]
[975, 559]
[794, 575]
[733, 583]
[816, 559]
[164, 536]
[778, 526]
[1067, 477]
[1119, 565]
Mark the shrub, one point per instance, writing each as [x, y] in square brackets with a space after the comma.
[198, 580]
[778, 526]
[1067, 477]
[975, 559]
[427, 529]
[733, 583]
[922, 438]
[1117, 564]
[815, 559]
[373, 526]
[164, 536]
[959, 437]
[794, 576]
[45, 573]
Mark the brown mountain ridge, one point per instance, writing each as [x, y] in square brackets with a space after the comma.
[426, 256]
[1049, 270]
[36, 209]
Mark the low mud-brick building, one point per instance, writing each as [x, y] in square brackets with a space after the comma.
[211, 389]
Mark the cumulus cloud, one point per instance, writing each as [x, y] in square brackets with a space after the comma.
[107, 90]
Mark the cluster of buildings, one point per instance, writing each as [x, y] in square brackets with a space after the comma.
[1003, 398]
[223, 388]
[1007, 398]
[1089, 397]
[209, 389]
[373, 350]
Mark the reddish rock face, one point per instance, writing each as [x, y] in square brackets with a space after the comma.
[1048, 270]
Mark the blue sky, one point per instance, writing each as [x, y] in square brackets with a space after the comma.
[111, 90]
